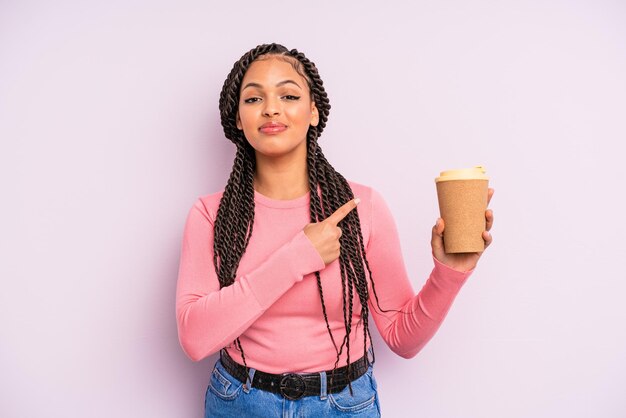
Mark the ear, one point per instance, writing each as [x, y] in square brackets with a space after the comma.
[315, 114]
[238, 121]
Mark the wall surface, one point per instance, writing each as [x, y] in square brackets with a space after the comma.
[110, 130]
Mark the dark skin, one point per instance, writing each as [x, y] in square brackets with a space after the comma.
[274, 92]
[325, 237]
[461, 261]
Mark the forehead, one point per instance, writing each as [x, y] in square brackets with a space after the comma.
[272, 70]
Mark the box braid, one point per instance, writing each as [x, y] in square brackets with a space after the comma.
[235, 215]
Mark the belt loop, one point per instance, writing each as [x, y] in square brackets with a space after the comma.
[370, 352]
[247, 386]
[323, 388]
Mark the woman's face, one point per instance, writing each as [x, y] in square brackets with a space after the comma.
[275, 109]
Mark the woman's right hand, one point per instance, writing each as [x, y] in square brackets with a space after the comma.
[325, 235]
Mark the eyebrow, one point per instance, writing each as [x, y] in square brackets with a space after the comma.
[282, 83]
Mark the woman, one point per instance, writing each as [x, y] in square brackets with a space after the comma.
[279, 271]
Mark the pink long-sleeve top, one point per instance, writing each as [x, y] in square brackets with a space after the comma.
[274, 305]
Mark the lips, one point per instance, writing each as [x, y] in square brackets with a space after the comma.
[272, 128]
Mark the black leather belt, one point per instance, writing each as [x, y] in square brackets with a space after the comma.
[296, 385]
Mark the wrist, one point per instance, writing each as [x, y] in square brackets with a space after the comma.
[461, 266]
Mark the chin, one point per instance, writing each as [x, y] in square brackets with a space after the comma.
[278, 150]
[273, 153]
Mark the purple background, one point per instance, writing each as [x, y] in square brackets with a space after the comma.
[110, 130]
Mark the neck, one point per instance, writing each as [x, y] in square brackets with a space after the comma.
[281, 179]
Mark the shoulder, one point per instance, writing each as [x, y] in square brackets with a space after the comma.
[372, 203]
[367, 194]
[208, 204]
[361, 191]
[372, 209]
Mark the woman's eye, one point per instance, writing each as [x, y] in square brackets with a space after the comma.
[251, 100]
[290, 97]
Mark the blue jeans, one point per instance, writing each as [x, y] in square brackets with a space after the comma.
[227, 397]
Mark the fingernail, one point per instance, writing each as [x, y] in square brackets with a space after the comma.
[357, 201]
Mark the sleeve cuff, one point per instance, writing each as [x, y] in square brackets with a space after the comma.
[448, 274]
[287, 266]
[306, 259]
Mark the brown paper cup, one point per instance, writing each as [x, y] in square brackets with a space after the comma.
[462, 196]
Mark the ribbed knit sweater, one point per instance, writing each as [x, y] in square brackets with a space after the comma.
[274, 305]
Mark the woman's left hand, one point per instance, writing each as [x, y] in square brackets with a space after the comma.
[460, 261]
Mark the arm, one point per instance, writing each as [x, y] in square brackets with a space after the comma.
[210, 318]
[405, 332]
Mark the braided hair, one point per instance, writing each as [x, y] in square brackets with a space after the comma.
[235, 215]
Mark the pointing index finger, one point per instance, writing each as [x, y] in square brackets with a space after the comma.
[343, 211]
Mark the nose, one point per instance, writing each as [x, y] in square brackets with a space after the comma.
[272, 107]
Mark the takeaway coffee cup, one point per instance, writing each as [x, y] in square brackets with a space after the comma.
[462, 196]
